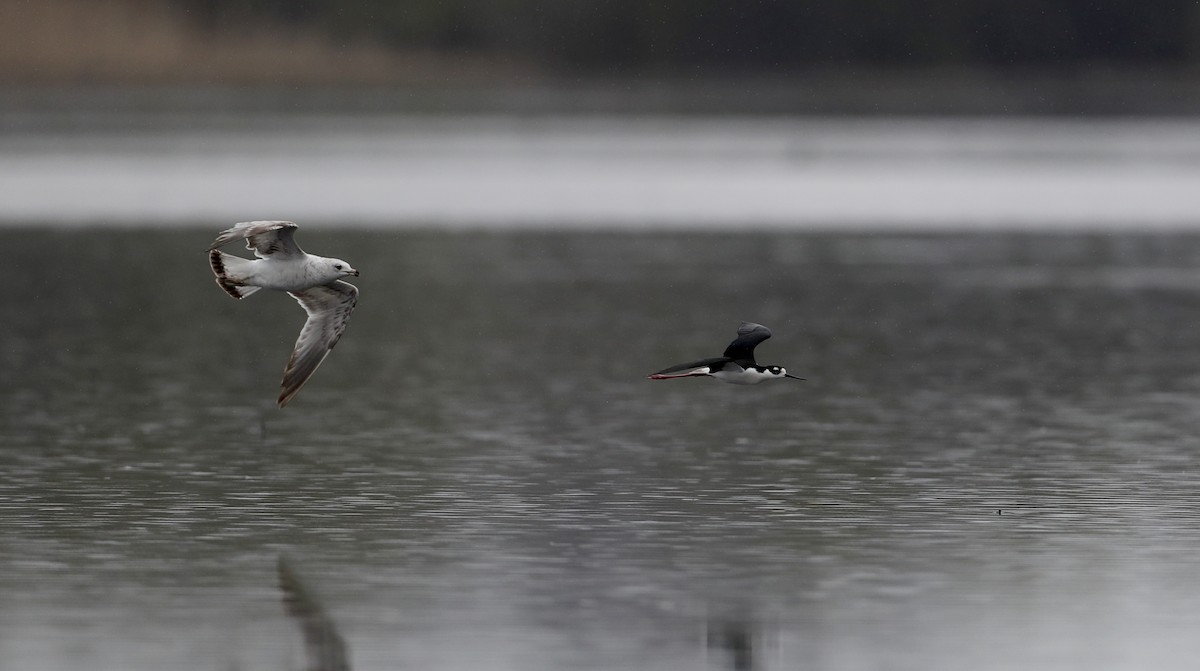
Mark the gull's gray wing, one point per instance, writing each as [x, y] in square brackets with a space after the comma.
[749, 335]
[266, 238]
[328, 307]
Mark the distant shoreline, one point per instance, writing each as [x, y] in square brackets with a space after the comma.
[877, 93]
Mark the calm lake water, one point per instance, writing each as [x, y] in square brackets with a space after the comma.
[991, 465]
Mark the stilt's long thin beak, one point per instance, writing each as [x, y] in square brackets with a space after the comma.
[792, 376]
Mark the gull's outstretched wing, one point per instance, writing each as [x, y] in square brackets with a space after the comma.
[328, 307]
[692, 368]
[749, 335]
[266, 238]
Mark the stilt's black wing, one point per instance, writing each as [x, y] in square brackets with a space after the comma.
[694, 364]
[749, 335]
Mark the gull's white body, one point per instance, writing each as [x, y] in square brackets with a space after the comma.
[292, 274]
[314, 281]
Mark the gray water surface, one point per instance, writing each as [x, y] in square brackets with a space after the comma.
[991, 465]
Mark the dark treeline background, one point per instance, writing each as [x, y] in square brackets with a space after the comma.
[678, 37]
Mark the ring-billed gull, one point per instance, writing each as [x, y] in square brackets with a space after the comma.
[736, 366]
[314, 281]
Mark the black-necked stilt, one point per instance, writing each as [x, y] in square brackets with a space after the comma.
[736, 366]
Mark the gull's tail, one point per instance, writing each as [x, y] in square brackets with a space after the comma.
[231, 272]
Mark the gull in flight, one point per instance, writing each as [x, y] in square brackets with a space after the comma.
[736, 366]
[314, 281]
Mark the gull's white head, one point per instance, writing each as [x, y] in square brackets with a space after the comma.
[337, 269]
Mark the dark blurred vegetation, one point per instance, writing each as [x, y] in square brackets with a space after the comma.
[681, 37]
[770, 56]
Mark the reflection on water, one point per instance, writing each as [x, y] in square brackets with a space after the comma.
[481, 478]
[324, 646]
[736, 639]
[695, 172]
